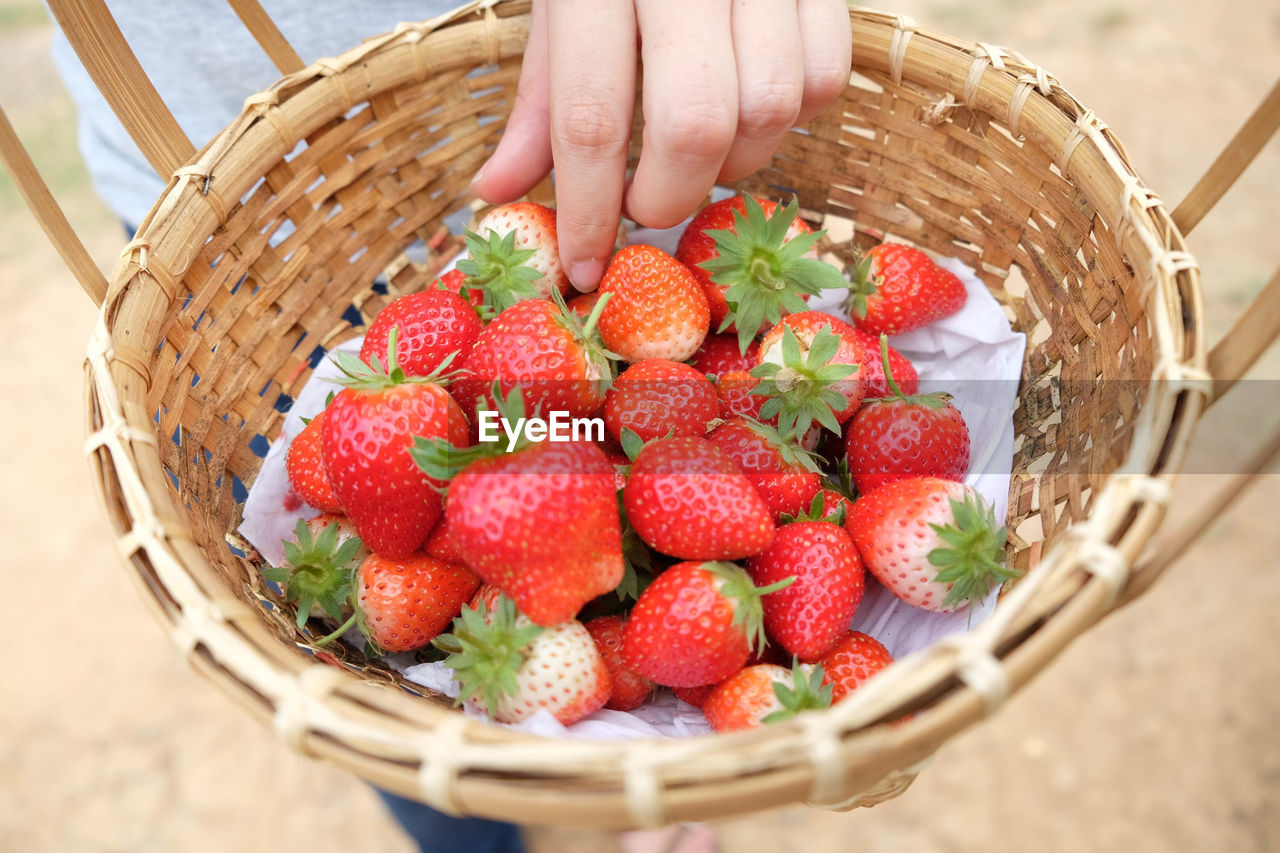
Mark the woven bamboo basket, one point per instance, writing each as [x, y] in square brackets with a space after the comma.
[208, 326]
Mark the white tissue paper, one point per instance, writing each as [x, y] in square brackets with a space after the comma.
[973, 354]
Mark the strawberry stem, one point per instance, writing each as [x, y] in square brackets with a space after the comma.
[736, 586]
[338, 632]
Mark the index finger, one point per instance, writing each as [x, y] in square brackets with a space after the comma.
[592, 68]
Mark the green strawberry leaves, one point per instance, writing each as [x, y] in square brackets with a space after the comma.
[806, 692]
[801, 390]
[970, 560]
[765, 273]
[862, 284]
[380, 375]
[736, 586]
[495, 266]
[318, 571]
[486, 654]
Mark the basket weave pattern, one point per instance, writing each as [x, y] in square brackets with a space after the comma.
[966, 150]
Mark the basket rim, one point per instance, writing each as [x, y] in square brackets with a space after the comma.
[454, 763]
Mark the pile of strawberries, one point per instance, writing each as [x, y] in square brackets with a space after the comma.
[751, 460]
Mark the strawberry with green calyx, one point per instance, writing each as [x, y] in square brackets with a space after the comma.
[304, 465]
[629, 689]
[809, 380]
[766, 693]
[896, 288]
[811, 614]
[430, 326]
[696, 624]
[317, 572]
[758, 264]
[854, 659]
[688, 499]
[827, 505]
[933, 543]
[402, 605]
[899, 436]
[556, 358]
[501, 508]
[367, 432]
[513, 255]
[736, 400]
[784, 473]
[442, 461]
[658, 397]
[658, 309]
[510, 668]
[496, 268]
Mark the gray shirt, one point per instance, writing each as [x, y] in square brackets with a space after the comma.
[204, 63]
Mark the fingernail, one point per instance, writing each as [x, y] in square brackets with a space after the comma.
[585, 275]
[479, 176]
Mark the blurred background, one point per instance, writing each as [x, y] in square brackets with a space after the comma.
[1155, 731]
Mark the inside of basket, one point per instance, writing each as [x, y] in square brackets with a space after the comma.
[363, 209]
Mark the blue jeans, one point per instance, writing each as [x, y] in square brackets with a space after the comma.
[436, 831]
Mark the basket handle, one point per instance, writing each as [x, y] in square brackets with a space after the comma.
[1252, 334]
[119, 76]
[114, 68]
[1259, 325]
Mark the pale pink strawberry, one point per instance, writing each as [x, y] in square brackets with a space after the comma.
[765, 693]
[933, 543]
[510, 669]
[532, 230]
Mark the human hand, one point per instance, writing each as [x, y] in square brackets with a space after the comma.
[723, 82]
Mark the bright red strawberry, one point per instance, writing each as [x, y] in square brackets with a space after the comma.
[933, 543]
[304, 464]
[719, 354]
[584, 303]
[811, 370]
[403, 605]
[657, 309]
[685, 497]
[854, 659]
[317, 572]
[556, 360]
[513, 255]
[540, 523]
[368, 430]
[695, 696]
[511, 669]
[432, 325]
[900, 436]
[656, 397]
[765, 693]
[697, 623]
[455, 281]
[873, 381]
[440, 543]
[827, 505]
[897, 289]
[784, 474]
[733, 391]
[810, 615]
[756, 262]
[629, 690]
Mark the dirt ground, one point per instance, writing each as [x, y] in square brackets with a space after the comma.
[1155, 731]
